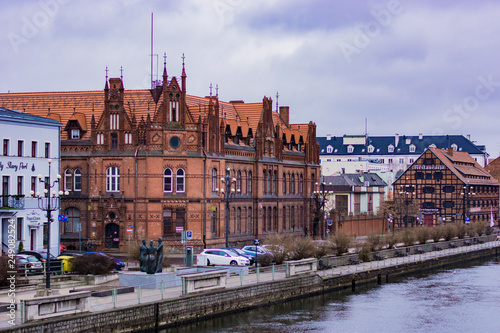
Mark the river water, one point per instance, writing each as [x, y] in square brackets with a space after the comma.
[462, 299]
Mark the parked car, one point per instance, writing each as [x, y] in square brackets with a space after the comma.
[251, 250]
[31, 263]
[241, 253]
[224, 257]
[118, 263]
[40, 255]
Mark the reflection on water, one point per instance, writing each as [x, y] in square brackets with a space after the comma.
[456, 300]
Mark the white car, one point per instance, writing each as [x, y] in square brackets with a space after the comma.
[223, 257]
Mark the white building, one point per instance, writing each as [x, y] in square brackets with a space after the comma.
[386, 154]
[28, 144]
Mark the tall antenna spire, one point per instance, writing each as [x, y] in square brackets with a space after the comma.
[152, 81]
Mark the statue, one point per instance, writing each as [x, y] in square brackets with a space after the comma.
[159, 256]
[143, 257]
[151, 258]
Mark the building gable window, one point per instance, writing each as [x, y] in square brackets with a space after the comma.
[412, 148]
[75, 133]
[167, 180]
[390, 149]
[113, 179]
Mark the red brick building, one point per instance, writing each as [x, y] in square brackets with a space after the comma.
[153, 160]
[450, 187]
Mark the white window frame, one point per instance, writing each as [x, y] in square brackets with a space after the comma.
[180, 181]
[113, 179]
[168, 175]
[68, 180]
[77, 179]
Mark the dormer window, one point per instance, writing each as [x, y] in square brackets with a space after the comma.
[75, 133]
[350, 149]
[390, 149]
[329, 149]
[371, 149]
[454, 147]
[412, 148]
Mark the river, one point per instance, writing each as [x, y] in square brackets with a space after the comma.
[462, 299]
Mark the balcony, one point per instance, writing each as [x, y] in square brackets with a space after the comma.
[11, 202]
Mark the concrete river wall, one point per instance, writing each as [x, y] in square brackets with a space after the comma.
[169, 312]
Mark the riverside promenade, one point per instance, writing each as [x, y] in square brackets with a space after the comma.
[268, 275]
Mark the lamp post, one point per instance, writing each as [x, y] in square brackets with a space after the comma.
[49, 202]
[468, 191]
[322, 197]
[228, 193]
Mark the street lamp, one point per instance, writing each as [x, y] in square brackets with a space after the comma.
[407, 192]
[322, 197]
[468, 191]
[48, 202]
[228, 193]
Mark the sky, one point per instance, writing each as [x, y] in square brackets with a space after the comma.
[405, 67]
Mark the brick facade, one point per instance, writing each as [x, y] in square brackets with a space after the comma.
[153, 160]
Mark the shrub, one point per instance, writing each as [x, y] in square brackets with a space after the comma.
[363, 251]
[374, 242]
[341, 241]
[321, 249]
[408, 238]
[93, 264]
[449, 232]
[391, 240]
[265, 260]
[280, 245]
[480, 227]
[21, 247]
[302, 247]
[422, 234]
[460, 230]
[4, 268]
[437, 233]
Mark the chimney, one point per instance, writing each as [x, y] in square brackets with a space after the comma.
[420, 136]
[328, 137]
[396, 139]
[450, 151]
[284, 114]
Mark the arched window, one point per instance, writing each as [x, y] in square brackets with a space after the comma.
[73, 220]
[113, 179]
[264, 181]
[275, 218]
[284, 219]
[238, 182]
[78, 180]
[238, 220]
[68, 180]
[269, 219]
[180, 181]
[275, 176]
[167, 181]
[292, 184]
[214, 180]
[249, 221]
[284, 183]
[249, 182]
[301, 184]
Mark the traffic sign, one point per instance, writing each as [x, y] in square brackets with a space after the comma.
[329, 222]
[189, 235]
[130, 230]
[63, 218]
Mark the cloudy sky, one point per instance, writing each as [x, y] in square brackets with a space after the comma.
[408, 67]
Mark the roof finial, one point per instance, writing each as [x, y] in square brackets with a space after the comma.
[210, 89]
[74, 110]
[183, 57]
[106, 73]
[48, 113]
[121, 73]
[164, 59]
[277, 105]
[217, 90]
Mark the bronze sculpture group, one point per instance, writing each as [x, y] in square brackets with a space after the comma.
[149, 262]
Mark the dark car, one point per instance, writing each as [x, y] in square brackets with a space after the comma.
[241, 253]
[40, 255]
[118, 263]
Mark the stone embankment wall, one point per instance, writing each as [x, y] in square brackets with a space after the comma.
[148, 317]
